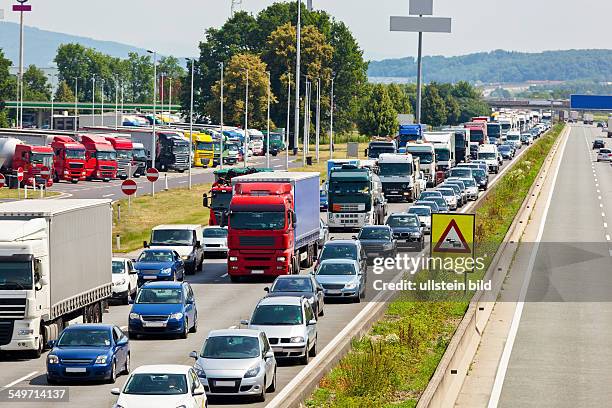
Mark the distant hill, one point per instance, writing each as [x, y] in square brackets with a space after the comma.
[41, 45]
[503, 66]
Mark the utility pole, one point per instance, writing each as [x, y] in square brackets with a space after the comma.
[154, 135]
[222, 135]
[21, 8]
[93, 101]
[298, 58]
[268, 123]
[117, 104]
[246, 122]
[102, 106]
[331, 121]
[318, 119]
[288, 122]
[191, 121]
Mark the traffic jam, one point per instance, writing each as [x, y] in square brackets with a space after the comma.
[312, 241]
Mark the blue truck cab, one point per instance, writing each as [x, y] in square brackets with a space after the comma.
[409, 134]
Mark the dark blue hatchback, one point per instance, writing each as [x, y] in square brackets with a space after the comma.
[88, 352]
[164, 308]
[159, 265]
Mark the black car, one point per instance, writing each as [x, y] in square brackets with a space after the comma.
[506, 152]
[377, 241]
[407, 230]
[299, 286]
[598, 144]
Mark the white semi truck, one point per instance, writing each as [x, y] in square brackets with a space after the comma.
[427, 159]
[55, 267]
[444, 146]
[400, 175]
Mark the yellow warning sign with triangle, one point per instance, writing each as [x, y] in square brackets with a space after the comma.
[452, 235]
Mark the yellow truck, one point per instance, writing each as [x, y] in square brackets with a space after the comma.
[202, 148]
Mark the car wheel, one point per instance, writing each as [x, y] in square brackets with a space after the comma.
[304, 360]
[39, 349]
[357, 298]
[126, 299]
[194, 329]
[113, 374]
[126, 370]
[185, 332]
[272, 386]
[262, 397]
[321, 311]
[51, 380]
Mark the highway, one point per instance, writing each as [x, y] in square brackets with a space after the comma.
[560, 355]
[221, 304]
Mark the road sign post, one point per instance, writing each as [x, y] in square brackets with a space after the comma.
[19, 180]
[152, 176]
[45, 173]
[129, 187]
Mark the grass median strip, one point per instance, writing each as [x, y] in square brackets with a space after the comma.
[13, 194]
[392, 364]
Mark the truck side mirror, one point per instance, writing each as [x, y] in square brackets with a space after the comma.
[145, 244]
[205, 202]
[198, 244]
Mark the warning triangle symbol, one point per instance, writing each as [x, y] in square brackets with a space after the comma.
[452, 241]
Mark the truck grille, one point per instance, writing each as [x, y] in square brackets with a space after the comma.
[6, 331]
[256, 241]
[107, 168]
[182, 159]
[75, 165]
[12, 308]
[353, 207]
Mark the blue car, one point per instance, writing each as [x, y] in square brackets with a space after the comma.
[164, 308]
[159, 265]
[323, 197]
[88, 352]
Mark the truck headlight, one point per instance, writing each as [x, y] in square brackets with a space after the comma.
[101, 359]
[134, 316]
[297, 339]
[25, 332]
[233, 258]
[166, 271]
[252, 372]
[280, 259]
[52, 359]
[176, 316]
[118, 283]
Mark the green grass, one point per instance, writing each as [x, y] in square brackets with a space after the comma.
[6, 193]
[392, 365]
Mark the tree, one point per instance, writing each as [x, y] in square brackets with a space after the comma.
[64, 93]
[36, 87]
[140, 85]
[7, 88]
[399, 98]
[377, 115]
[434, 109]
[235, 91]
[174, 75]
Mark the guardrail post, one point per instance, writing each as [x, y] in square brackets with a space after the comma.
[42, 191]
[119, 213]
[118, 242]
[25, 191]
[166, 181]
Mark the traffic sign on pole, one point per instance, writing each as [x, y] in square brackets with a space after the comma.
[452, 234]
[45, 173]
[152, 175]
[20, 174]
[2, 180]
[129, 187]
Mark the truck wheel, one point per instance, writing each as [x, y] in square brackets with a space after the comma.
[235, 279]
[74, 181]
[36, 353]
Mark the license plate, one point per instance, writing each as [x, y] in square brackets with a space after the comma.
[334, 292]
[154, 324]
[76, 370]
[257, 271]
[225, 383]
[149, 277]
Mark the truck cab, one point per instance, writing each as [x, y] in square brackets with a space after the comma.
[173, 151]
[409, 134]
[276, 143]
[427, 159]
[139, 158]
[202, 146]
[489, 153]
[378, 147]
[478, 132]
[101, 158]
[31, 159]
[399, 174]
[69, 162]
[123, 148]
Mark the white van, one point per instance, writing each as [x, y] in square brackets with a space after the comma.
[515, 137]
[489, 153]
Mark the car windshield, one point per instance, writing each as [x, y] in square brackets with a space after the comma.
[156, 384]
[156, 256]
[403, 221]
[513, 137]
[124, 154]
[421, 211]
[486, 156]
[339, 252]
[331, 269]
[432, 205]
[277, 315]
[605, 150]
[106, 155]
[15, 275]
[375, 233]
[118, 267]
[231, 347]
[469, 182]
[427, 194]
[85, 338]
[172, 237]
[214, 233]
[75, 154]
[292, 285]
[440, 202]
[479, 173]
[461, 172]
[159, 295]
[448, 192]
[257, 220]
[504, 148]
[394, 169]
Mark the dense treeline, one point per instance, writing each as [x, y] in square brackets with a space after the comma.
[503, 66]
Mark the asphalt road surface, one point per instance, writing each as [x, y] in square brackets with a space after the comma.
[220, 303]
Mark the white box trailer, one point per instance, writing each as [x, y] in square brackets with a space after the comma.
[55, 266]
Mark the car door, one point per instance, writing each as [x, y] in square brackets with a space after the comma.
[198, 401]
[311, 329]
[318, 290]
[179, 266]
[132, 276]
[270, 363]
[190, 305]
[199, 249]
[120, 351]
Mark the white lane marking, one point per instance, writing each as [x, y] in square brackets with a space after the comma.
[595, 179]
[598, 191]
[182, 182]
[607, 237]
[107, 195]
[596, 185]
[603, 214]
[600, 205]
[605, 225]
[17, 381]
[610, 251]
[277, 166]
[123, 328]
[599, 197]
[516, 320]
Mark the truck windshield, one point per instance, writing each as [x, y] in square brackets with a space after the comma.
[349, 187]
[424, 157]
[486, 156]
[16, 275]
[442, 155]
[75, 154]
[257, 220]
[403, 139]
[505, 126]
[476, 136]
[124, 154]
[172, 237]
[205, 146]
[376, 151]
[276, 138]
[493, 130]
[139, 154]
[221, 200]
[106, 155]
[394, 169]
[42, 158]
[513, 137]
[180, 149]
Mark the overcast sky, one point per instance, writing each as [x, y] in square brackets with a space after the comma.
[175, 27]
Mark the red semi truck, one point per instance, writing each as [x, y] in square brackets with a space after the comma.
[15, 154]
[478, 132]
[125, 157]
[101, 158]
[69, 162]
[273, 224]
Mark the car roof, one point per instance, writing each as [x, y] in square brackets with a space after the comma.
[163, 285]
[234, 332]
[176, 226]
[401, 214]
[342, 242]
[339, 261]
[281, 300]
[162, 369]
[158, 249]
[374, 227]
[292, 277]
[84, 326]
[115, 258]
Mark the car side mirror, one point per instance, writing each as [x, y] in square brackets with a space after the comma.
[44, 281]
[130, 301]
[318, 289]
[51, 343]
[244, 322]
[145, 244]
[312, 322]
[189, 301]
[205, 202]
[267, 289]
[133, 272]
[116, 391]
[193, 355]
[269, 355]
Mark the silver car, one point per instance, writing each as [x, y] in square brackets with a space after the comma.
[604, 154]
[341, 278]
[236, 362]
[290, 325]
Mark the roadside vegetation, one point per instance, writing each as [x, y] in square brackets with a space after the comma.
[6, 193]
[392, 364]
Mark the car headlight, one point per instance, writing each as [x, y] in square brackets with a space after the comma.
[233, 258]
[102, 359]
[281, 259]
[416, 234]
[166, 271]
[297, 339]
[185, 257]
[350, 285]
[52, 359]
[252, 372]
[134, 316]
[387, 246]
[176, 316]
[311, 300]
[200, 372]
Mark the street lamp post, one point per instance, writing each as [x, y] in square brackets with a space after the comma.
[246, 121]
[268, 134]
[117, 103]
[288, 122]
[222, 96]
[52, 100]
[153, 134]
[102, 105]
[318, 118]
[76, 102]
[305, 135]
[297, 75]
[331, 121]
[191, 121]
[93, 101]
